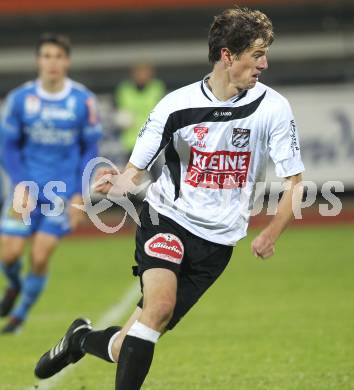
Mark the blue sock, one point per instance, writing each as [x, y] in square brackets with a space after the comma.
[32, 287]
[12, 273]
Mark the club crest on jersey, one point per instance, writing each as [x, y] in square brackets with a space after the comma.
[165, 246]
[32, 105]
[240, 137]
[200, 132]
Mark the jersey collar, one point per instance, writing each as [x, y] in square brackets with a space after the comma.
[210, 96]
[54, 96]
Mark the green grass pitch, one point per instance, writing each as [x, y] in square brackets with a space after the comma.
[282, 324]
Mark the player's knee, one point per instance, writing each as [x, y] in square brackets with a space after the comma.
[159, 314]
[39, 262]
[164, 310]
[10, 252]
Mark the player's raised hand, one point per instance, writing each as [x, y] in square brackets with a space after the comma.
[263, 246]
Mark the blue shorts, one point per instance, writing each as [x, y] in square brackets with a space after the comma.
[11, 225]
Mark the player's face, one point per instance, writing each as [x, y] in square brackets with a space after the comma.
[247, 67]
[53, 63]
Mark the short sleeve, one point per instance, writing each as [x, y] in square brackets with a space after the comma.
[284, 146]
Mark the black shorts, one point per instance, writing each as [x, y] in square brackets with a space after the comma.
[196, 262]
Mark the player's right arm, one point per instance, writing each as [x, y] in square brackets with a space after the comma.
[12, 136]
[11, 128]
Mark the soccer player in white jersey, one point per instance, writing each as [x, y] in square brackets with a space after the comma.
[217, 135]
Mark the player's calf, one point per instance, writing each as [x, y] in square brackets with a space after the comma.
[135, 356]
[100, 343]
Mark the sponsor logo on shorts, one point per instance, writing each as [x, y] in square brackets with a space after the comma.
[240, 137]
[165, 246]
[217, 170]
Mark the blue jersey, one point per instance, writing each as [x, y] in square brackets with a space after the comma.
[50, 137]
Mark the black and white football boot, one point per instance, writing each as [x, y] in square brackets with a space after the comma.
[67, 351]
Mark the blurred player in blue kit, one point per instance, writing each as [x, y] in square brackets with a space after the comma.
[50, 130]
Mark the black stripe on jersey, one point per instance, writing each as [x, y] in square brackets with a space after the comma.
[166, 138]
[190, 116]
[174, 165]
[172, 161]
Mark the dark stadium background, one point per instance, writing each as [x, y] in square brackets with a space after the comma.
[121, 26]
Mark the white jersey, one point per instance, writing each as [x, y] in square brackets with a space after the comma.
[216, 152]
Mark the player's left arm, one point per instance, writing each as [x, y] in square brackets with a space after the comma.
[152, 139]
[77, 216]
[263, 245]
[284, 150]
[12, 140]
[91, 132]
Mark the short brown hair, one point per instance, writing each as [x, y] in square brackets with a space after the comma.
[56, 39]
[236, 29]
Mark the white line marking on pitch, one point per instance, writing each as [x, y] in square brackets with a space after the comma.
[112, 316]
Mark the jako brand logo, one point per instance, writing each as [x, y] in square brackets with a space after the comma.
[222, 113]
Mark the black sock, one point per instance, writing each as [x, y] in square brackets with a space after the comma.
[96, 342]
[134, 362]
